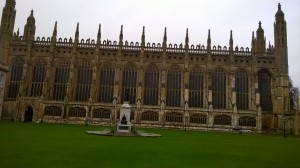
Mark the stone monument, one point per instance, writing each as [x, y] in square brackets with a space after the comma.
[124, 124]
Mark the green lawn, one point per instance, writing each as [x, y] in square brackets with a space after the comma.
[54, 145]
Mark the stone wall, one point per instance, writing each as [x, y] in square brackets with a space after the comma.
[297, 123]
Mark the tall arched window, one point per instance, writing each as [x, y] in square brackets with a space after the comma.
[84, 80]
[218, 81]
[173, 87]
[196, 83]
[38, 78]
[107, 80]
[61, 79]
[15, 77]
[129, 82]
[151, 85]
[264, 87]
[241, 87]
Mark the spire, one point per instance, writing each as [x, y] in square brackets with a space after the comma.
[54, 34]
[77, 33]
[121, 35]
[18, 32]
[279, 12]
[165, 38]
[143, 37]
[231, 41]
[260, 30]
[31, 18]
[208, 39]
[187, 38]
[55, 30]
[99, 34]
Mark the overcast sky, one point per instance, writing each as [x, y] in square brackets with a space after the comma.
[221, 16]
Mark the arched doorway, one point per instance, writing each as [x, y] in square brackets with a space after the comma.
[28, 114]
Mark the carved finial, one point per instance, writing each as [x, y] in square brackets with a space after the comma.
[99, 34]
[279, 6]
[143, 31]
[55, 29]
[121, 34]
[77, 33]
[209, 39]
[259, 23]
[279, 13]
[165, 33]
[165, 38]
[31, 18]
[143, 37]
[187, 36]
[231, 41]
[77, 27]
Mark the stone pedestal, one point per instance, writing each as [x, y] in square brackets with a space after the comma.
[124, 125]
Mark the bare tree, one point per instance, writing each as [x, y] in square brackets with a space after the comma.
[294, 95]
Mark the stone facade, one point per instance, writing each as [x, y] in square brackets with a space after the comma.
[194, 86]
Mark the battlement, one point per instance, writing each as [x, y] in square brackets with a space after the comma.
[136, 46]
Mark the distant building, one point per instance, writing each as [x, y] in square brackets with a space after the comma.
[170, 85]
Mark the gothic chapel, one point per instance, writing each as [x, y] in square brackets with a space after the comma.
[195, 86]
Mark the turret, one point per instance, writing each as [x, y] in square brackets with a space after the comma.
[260, 41]
[6, 29]
[280, 37]
[29, 29]
[8, 18]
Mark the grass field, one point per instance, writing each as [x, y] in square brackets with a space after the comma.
[53, 145]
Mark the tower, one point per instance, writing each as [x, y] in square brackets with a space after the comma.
[260, 41]
[6, 34]
[29, 29]
[280, 37]
[282, 74]
[6, 29]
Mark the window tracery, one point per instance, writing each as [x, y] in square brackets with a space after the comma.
[151, 85]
